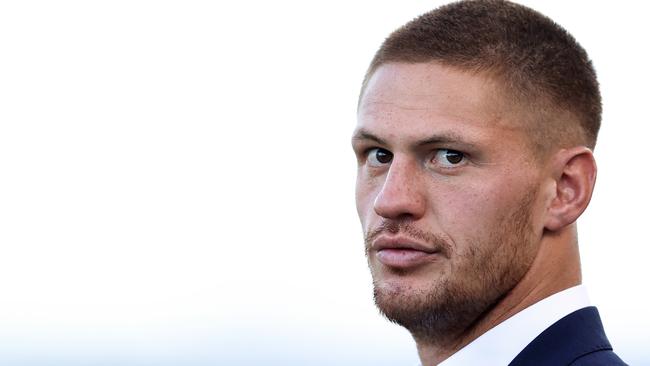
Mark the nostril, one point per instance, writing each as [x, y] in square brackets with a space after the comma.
[399, 203]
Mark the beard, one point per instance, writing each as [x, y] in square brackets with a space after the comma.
[476, 281]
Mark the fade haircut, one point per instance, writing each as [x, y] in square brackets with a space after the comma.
[538, 63]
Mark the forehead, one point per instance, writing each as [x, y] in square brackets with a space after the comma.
[407, 100]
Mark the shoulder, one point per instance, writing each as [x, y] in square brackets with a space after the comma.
[578, 339]
[600, 358]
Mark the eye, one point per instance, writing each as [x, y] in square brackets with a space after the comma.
[449, 158]
[379, 156]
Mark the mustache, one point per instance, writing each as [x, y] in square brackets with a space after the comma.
[395, 227]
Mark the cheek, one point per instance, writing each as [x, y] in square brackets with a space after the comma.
[365, 193]
[476, 210]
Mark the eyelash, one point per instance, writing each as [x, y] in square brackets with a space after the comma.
[369, 151]
[463, 157]
[451, 165]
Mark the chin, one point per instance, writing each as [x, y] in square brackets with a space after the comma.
[407, 284]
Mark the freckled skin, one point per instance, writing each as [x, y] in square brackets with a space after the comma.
[402, 104]
[490, 209]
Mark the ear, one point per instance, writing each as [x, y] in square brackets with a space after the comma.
[574, 173]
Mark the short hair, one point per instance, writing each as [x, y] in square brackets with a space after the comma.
[535, 59]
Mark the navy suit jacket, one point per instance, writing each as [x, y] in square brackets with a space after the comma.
[578, 339]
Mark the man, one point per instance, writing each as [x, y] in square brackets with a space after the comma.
[476, 125]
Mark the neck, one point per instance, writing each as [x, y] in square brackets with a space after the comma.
[555, 268]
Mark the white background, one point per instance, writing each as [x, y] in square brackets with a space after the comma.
[176, 181]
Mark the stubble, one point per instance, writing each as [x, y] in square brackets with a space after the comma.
[475, 282]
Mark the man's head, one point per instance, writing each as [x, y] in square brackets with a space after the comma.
[538, 64]
[475, 125]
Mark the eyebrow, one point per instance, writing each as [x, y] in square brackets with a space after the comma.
[363, 134]
[447, 137]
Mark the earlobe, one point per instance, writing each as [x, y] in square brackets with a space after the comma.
[574, 173]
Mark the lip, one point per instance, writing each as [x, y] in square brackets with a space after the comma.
[404, 252]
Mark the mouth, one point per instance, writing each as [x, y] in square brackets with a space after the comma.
[404, 253]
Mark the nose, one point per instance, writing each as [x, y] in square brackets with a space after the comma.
[402, 194]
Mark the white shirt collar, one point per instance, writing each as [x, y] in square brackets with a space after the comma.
[501, 344]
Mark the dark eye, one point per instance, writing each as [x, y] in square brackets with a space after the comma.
[449, 158]
[379, 156]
